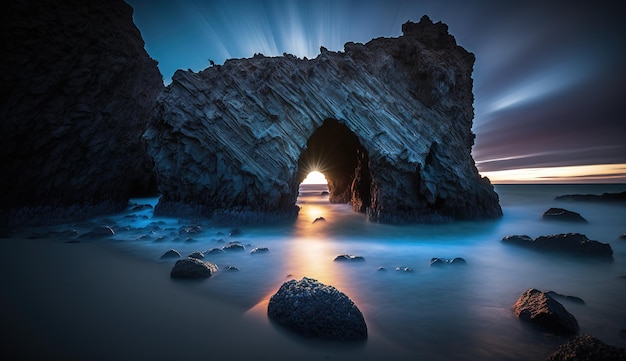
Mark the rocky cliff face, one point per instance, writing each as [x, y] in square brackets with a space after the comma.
[77, 91]
[388, 122]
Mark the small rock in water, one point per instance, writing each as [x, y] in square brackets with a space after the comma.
[348, 257]
[443, 261]
[190, 229]
[561, 214]
[381, 269]
[260, 250]
[623, 236]
[231, 268]
[99, 232]
[319, 219]
[404, 269]
[233, 246]
[193, 268]
[235, 232]
[172, 253]
[544, 311]
[215, 251]
[566, 243]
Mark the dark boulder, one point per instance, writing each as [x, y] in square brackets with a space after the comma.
[319, 219]
[312, 309]
[561, 214]
[189, 229]
[349, 258]
[545, 312]
[566, 243]
[587, 348]
[172, 253]
[236, 232]
[193, 268]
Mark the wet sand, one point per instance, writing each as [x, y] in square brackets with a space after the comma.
[88, 300]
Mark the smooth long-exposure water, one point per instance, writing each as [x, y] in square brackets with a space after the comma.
[452, 312]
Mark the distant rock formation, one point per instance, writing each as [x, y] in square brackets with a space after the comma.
[388, 123]
[604, 197]
[78, 89]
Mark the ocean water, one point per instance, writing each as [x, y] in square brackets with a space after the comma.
[435, 313]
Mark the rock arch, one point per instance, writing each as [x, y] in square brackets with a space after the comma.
[337, 152]
[228, 142]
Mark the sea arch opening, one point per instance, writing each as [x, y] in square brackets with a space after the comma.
[336, 152]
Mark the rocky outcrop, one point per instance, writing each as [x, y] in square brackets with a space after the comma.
[561, 214]
[575, 244]
[78, 89]
[312, 309]
[543, 311]
[587, 348]
[387, 122]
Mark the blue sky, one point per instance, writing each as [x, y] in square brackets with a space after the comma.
[549, 76]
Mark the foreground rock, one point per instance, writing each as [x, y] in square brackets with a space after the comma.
[542, 310]
[561, 214]
[193, 268]
[587, 348]
[402, 107]
[312, 309]
[78, 89]
[566, 243]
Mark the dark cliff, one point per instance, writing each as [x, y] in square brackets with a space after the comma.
[388, 122]
[77, 90]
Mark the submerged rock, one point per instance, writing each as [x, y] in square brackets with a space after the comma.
[561, 214]
[349, 258]
[233, 246]
[544, 311]
[444, 261]
[98, 233]
[172, 253]
[566, 243]
[260, 250]
[312, 309]
[401, 107]
[197, 254]
[193, 268]
[587, 348]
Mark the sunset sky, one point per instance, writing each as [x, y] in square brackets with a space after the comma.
[549, 77]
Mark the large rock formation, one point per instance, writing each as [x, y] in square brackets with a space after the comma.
[78, 89]
[388, 123]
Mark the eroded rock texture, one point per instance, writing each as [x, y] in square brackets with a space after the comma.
[388, 123]
[77, 91]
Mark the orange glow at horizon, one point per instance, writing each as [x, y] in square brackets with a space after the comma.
[598, 173]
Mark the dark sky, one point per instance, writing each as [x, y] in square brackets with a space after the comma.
[549, 77]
